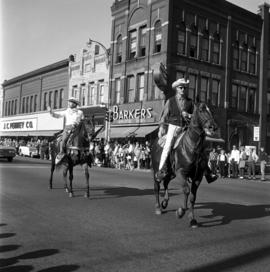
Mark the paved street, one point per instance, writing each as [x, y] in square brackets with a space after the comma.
[117, 230]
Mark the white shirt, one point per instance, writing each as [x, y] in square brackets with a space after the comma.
[235, 154]
[72, 116]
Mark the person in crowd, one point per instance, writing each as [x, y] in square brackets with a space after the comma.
[147, 155]
[222, 161]
[263, 158]
[73, 117]
[213, 160]
[251, 160]
[137, 152]
[242, 162]
[234, 161]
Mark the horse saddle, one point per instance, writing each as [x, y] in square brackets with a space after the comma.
[176, 140]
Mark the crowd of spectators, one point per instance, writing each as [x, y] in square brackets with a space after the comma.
[238, 163]
[129, 155]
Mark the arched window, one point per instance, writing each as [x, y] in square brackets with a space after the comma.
[132, 43]
[157, 37]
[119, 49]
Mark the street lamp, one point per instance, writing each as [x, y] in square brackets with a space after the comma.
[107, 124]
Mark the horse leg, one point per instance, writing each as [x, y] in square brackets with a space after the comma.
[52, 171]
[86, 173]
[180, 212]
[70, 168]
[192, 199]
[166, 198]
[157, 190]
[65, 170]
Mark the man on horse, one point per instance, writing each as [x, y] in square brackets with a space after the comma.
[176, 115]
[73, 117]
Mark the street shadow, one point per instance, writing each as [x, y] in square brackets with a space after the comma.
[4, 262]
[5, 248]
[117, 192]
[230, 212]
[18, 268]
[231, 263]
[7, 235]
[61, 268]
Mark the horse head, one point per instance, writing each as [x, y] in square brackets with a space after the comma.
[203, 119]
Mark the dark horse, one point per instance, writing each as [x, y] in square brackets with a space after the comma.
[186, 162]
[77, 154]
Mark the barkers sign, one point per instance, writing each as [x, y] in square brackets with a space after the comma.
[123, 114]
[19, 125]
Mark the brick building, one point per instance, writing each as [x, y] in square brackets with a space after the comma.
[220, 47]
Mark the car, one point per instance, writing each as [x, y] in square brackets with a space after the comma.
[29, 151]
[7, 152]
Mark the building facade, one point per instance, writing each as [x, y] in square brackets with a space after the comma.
[26, 97]
[220, 47]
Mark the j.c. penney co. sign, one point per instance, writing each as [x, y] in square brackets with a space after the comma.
[19, 125]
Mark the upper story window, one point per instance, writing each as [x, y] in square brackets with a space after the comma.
[91, 95]
[157, 37]
[35, 103]
[119, 49]
[192, 86]
[252, 60]
[236, 56]
[132, 44]
[205, 46]
[130, 89]
[140, 87]
[204, 89]
[244, 56]
[242, 98]
[181, 39]
[83, 95]
[216, 49]
[215, 92]
[50, 98]
[193, 42]
[61, 98]
[31, 103]
[101, 93]
[142, 41]
[234, 96]
[55, 99]
[251, 100]
[117, 90]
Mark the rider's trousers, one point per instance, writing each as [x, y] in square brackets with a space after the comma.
[168, 143]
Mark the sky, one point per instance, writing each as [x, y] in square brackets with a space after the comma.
[36, 33]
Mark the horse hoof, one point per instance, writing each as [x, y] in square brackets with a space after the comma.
[193, 224]
[158, 211]
[70, 194]
[180, 212]
[164, 204]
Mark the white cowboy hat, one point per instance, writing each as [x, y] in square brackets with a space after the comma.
[180, 82]
[74, 100]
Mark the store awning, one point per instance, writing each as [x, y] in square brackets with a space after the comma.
[40, 133]
[133, 131]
